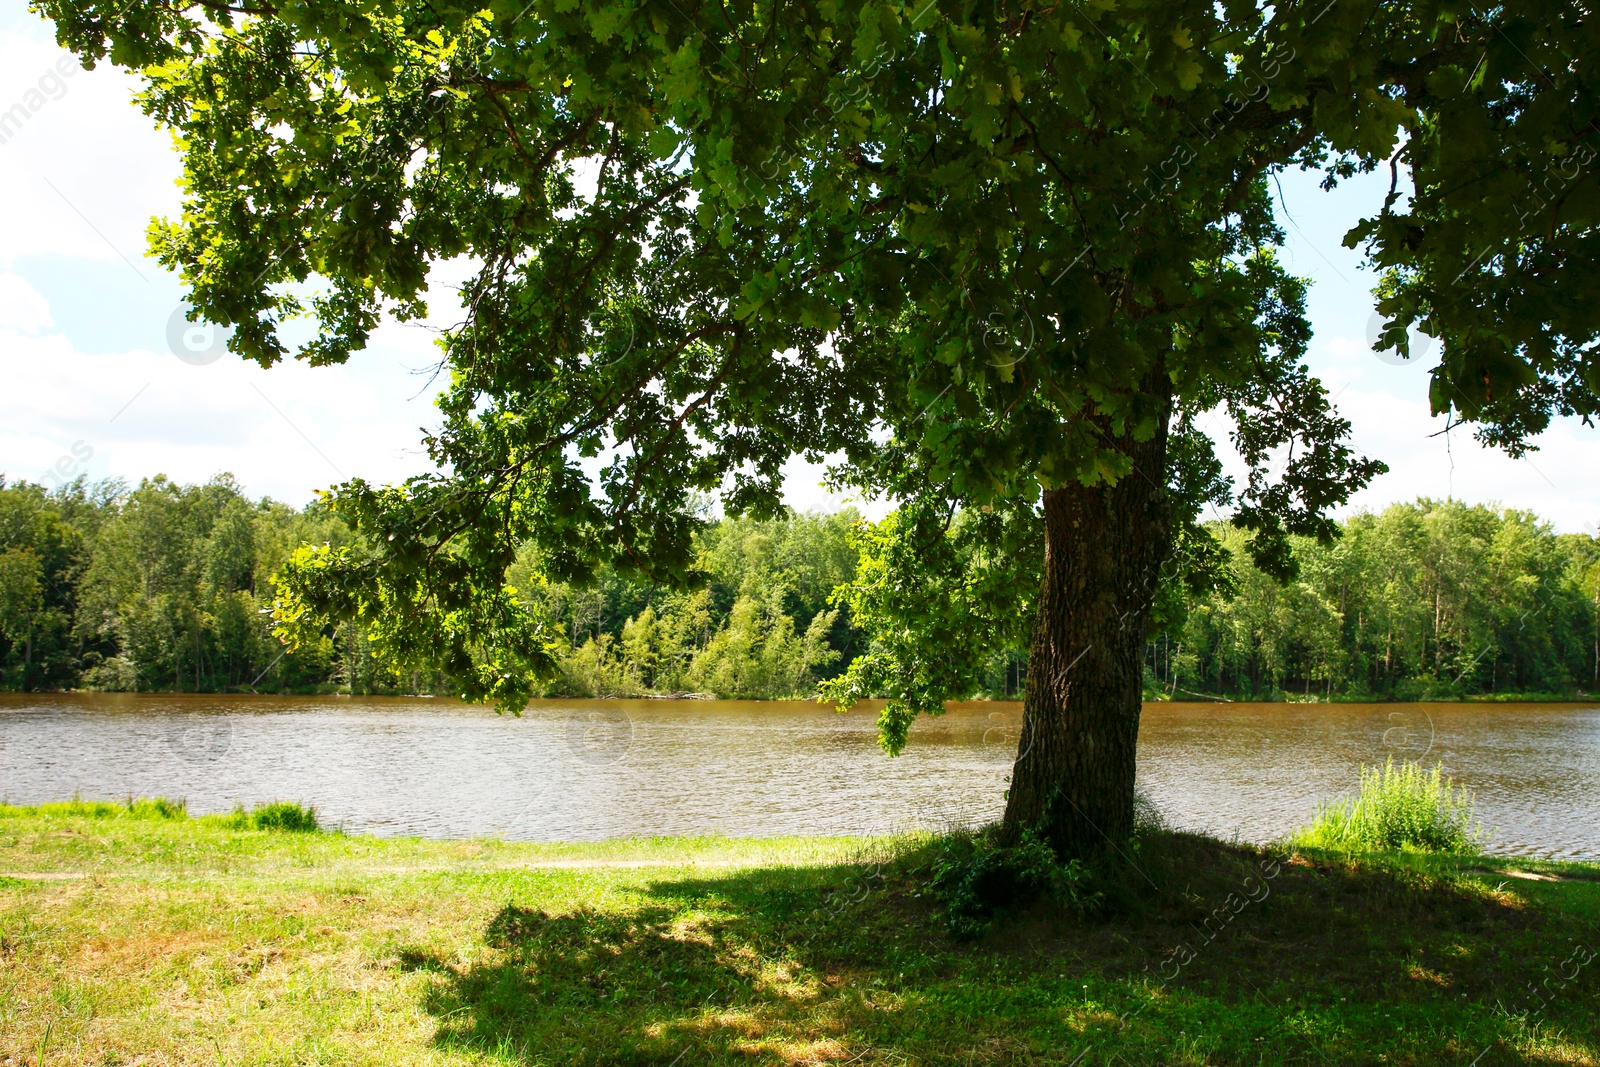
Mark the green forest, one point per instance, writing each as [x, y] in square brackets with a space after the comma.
[168, 587]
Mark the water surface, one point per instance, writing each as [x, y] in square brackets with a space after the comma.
[580, 770]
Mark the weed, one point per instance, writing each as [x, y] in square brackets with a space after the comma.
[974, 877]
[283, 815]
[1404, 809]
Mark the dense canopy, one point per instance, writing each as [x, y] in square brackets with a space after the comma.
[991, 258]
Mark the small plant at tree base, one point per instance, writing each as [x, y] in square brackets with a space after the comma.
[283, 815]
[1404, 809]
[975, 876]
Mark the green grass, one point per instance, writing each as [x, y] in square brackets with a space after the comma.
[278, 815]
[130, 936]
[1397, 809]
[151, 808]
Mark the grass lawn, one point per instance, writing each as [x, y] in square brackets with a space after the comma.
[144, 939]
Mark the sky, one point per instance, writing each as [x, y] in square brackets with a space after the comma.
[99, 374]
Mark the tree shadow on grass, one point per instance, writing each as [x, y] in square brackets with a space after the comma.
[1320, 963]
[638, 986]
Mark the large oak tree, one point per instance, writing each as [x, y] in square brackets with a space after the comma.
[995, 259]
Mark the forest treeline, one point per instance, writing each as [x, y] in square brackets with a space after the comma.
[169, 587]
[1431, 599]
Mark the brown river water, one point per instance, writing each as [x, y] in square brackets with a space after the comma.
[583, 770]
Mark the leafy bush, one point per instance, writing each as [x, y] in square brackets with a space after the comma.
[974, 877]
[117, 674]
[283, 815]
[757, 653]
[1404, 809]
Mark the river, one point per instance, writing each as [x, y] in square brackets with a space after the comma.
[582, 770]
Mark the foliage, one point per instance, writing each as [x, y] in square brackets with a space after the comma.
[169, 587]
[165, 586]
[975, 876]
[759, 624]
[1504, 199]
[41, 560]
[462, 620]
[161, 586]
[1427, 600]
[1404, 809]
[758, 652]
[927, 585]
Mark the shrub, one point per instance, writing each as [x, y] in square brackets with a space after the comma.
[1404, 809]
[758, 655]
[974, 877]
[115, 675]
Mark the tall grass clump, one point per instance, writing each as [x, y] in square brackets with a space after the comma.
[1398, 809]
[283, 815]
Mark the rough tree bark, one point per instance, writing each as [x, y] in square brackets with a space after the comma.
[1104, 550]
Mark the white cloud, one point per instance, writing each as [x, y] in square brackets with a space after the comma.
[85, 170]
[1391, 420]
[82, 168]
[283, 432]
[1425, 461]
[803, 490]
[22, 309]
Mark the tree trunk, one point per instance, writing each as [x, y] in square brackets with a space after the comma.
[1104, 550]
